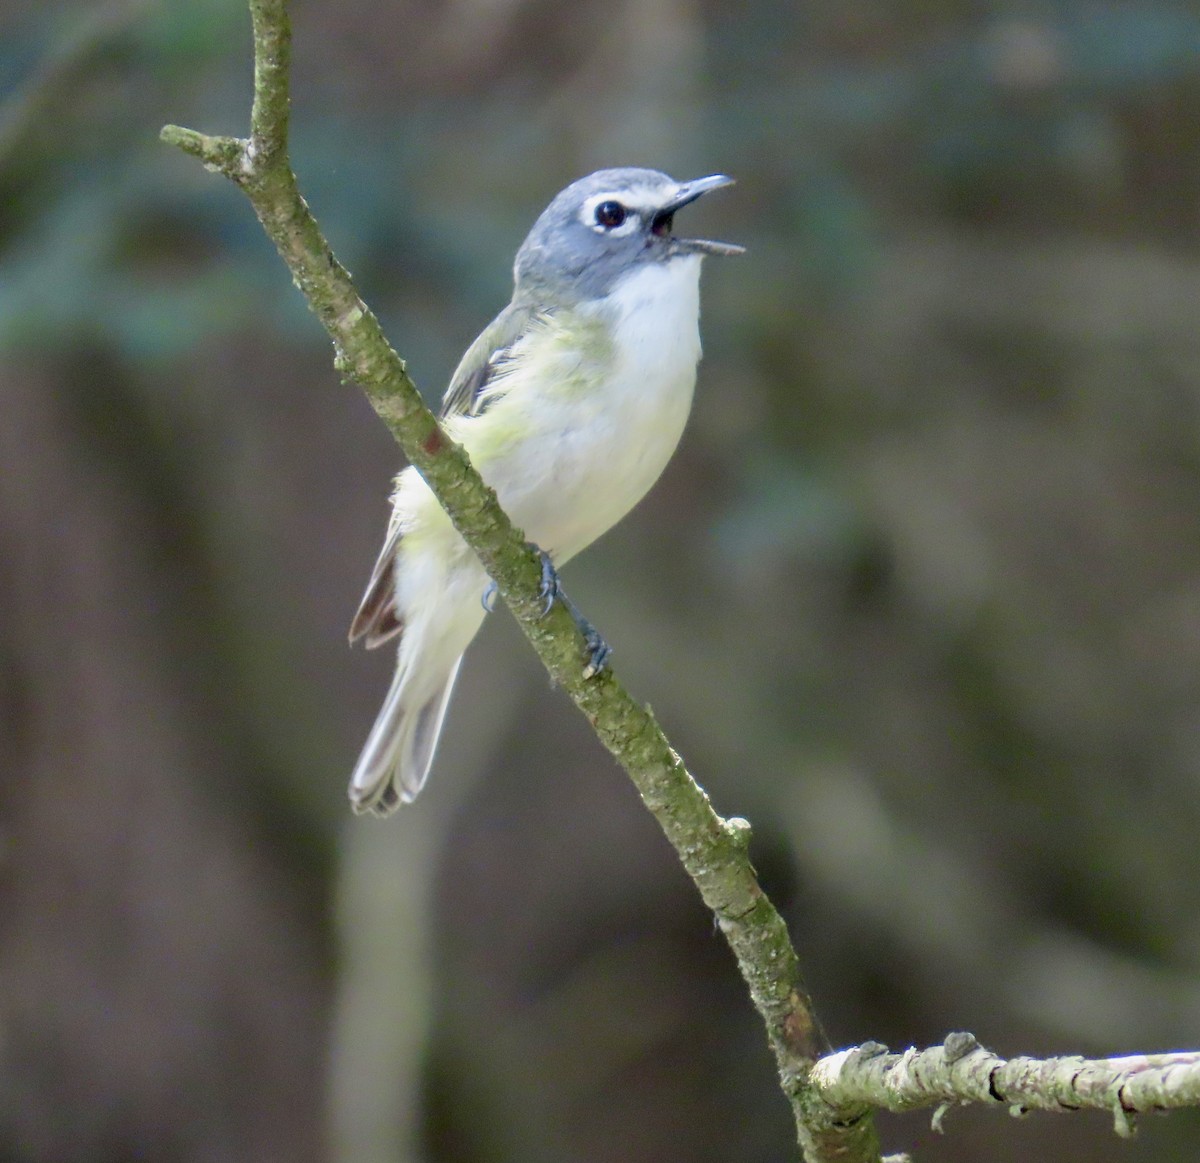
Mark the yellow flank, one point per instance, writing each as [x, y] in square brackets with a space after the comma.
[424, 521]
[570, 353]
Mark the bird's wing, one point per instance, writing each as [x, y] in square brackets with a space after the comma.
[377, 620]
[484, 358]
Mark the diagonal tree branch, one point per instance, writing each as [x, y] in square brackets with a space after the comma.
[713, 850]
[831, 1098]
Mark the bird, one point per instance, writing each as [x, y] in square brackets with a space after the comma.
[570, 403]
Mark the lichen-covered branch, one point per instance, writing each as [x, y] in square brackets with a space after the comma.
[713, 850]
[962, 1071]
[832, 1098]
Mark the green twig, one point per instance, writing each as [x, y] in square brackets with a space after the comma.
[713, 850]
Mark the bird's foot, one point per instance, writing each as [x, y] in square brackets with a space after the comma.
[551, 590]
[551, 587]
[489, 597]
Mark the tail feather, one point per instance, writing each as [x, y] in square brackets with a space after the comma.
[396, 758]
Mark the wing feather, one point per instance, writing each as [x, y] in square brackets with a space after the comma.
[378, 620]
[484, 358]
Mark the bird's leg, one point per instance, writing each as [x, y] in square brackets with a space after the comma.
[489, 596]
[551, 590]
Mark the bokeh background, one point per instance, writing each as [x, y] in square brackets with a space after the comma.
[919, 595]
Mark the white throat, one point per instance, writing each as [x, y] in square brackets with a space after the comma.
[655, 311]
[634, 426]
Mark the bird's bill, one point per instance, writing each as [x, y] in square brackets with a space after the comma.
[687, 193]
[708, 246]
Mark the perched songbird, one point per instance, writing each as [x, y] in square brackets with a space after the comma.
[570, 404]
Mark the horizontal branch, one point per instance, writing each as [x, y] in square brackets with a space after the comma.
[831, 1098]
[961, 1071]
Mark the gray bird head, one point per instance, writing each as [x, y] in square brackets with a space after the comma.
[602, 226]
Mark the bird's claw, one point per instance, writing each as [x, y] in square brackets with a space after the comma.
[598, 651]
[488, 599]
[551, 587]
[550, 591]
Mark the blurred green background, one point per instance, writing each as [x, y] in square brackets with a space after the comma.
[919, 595]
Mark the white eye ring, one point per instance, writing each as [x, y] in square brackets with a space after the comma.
[589, 217]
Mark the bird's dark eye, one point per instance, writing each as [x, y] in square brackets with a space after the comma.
[610, 214]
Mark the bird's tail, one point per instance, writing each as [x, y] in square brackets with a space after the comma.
[396, 758]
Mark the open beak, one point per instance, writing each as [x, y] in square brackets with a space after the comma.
[687, 193]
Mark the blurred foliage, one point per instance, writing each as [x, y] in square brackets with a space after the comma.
[920, 594]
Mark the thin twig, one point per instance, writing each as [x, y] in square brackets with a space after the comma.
[713, 850]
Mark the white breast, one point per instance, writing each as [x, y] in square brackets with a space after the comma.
[601, 432]
[589, 427]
